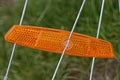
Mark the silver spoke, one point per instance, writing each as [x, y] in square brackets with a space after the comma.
[14, 46]
[119, 4]
[67, 44]
[97, 36]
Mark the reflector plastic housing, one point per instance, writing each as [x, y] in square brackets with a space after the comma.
[54, 40]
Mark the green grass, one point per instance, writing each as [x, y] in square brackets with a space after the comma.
[31, 64]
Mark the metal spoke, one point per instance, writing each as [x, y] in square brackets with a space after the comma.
[119, 4]
[97, 36]
[14, 46]
[67, 44]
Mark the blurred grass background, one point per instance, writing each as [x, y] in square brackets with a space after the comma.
[31, 64]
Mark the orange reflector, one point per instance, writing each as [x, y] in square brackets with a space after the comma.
[54, 40]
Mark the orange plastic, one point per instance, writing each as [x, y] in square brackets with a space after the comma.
[54, 40]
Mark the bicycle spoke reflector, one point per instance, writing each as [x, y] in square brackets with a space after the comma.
[54, 40]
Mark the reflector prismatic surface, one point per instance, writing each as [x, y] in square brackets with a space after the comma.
[54, 40]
